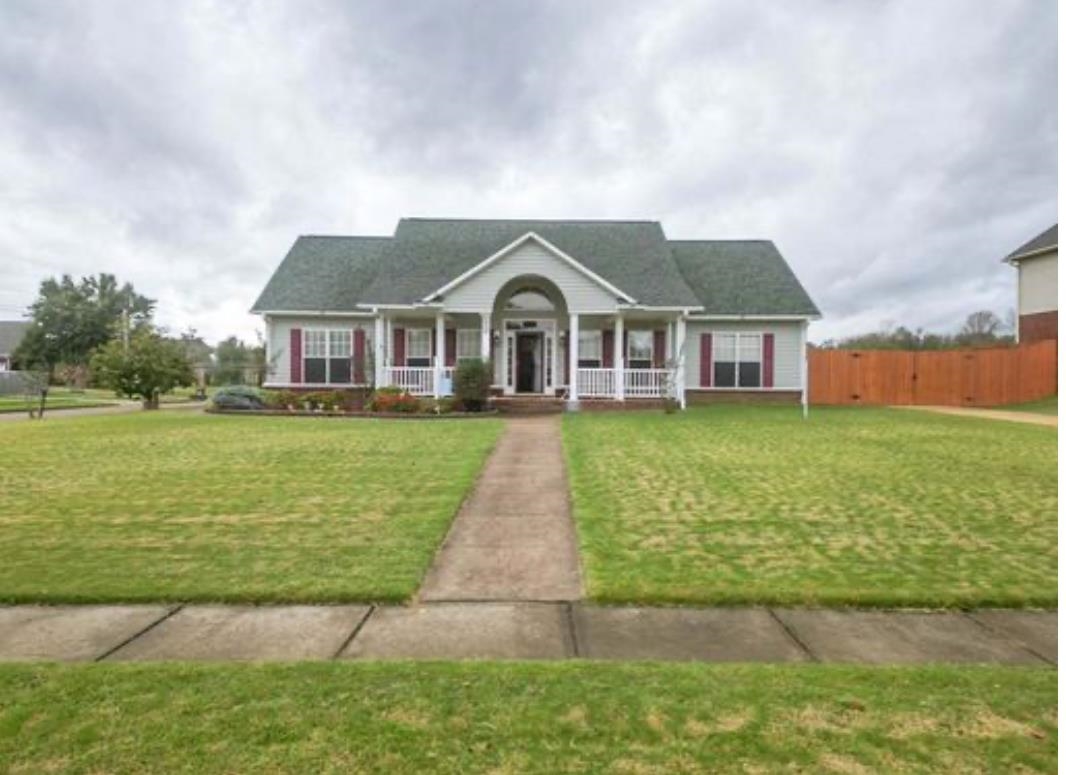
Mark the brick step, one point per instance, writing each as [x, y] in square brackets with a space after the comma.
[528, 404]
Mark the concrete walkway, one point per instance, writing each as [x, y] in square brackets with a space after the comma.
[514, 537]
[543, 631]
[1030, 418]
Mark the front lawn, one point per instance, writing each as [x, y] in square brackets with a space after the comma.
[1049, 405]
[185, 506]
[525, 717]
[853, 506]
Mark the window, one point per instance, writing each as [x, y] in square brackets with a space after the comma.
[327, 356]
[419, 347]
[467, 343]
[530, 299]
[737, 360]
[639, 349]
[589, 350]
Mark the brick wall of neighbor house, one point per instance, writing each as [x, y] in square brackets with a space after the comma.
[1037, 326]
[278, 338]
[788, 341]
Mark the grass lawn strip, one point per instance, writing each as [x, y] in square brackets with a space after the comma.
[754, 505]
[1049, 406]
[166, 506]
[524, 717]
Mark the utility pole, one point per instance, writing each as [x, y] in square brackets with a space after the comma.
[126, 328]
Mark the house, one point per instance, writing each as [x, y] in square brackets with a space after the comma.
[11, 333]
[590, 310]
[1037, 262]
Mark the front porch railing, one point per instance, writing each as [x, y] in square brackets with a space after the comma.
[637, 383]
[645, 383]
[417, 380]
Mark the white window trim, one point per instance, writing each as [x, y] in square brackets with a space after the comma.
[736, 359]
[629, 343]
[597, 337]
[475, 334]
[328, 357]
[407, 349]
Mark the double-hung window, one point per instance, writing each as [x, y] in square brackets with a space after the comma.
[327, 356]
[419, 347]
[467, 344]
[737, 360]
[639, 349]
[589, 350]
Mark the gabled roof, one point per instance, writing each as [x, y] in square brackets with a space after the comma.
[341, 274]
[741, 277]
[427, 253]
[323, 274]
[11, 333]
[1041, 243]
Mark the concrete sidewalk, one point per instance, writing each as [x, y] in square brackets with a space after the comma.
[514, 538]
[1029, 418]
[498, 630]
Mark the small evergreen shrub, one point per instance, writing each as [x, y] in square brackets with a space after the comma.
[472, 383]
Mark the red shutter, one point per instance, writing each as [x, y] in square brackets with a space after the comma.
[358, 356]
[659, 349]
[296, 356]
[449, 347]
[608, 349]
[706, 362]
[566, 360]
[767, 360]
[399, 347]
[625, 350]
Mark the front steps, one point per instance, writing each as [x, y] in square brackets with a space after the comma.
[528, 404]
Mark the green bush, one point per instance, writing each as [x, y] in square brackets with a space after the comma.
[281, 399]
[472, 383]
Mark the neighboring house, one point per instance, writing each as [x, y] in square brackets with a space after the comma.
[1038, 286]
[11, 333]
[590, 310]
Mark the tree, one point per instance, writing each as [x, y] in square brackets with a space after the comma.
[70, 320]
[980, 328]
[147, 367]
[237, 362]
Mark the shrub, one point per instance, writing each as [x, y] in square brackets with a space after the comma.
[472, 383]
[281, 399]
[238, 397]
[392, 399]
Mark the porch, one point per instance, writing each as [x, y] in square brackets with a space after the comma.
[591, 382]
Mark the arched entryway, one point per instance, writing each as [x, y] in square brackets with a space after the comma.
[529, 318]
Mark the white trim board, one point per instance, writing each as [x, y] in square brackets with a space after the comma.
[529, 235]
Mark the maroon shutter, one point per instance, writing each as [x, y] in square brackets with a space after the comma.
[706, 362]
[358, 356]
[767, 360]
[659, 349]
[566, 360]
[399, 347]
[625, 350]
[449, 347]
[433, 342]
[296, 356]
[608, 349]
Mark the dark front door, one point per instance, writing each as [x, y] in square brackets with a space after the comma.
[527, 377]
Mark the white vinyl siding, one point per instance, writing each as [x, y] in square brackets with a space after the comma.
[1038, 284]
[278, 335]
[478, 293]
[788, 340]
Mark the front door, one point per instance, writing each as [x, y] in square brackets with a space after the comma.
[528, 379]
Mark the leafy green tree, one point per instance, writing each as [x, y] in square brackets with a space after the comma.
[145, 367]
[70, 319]
[236, 362]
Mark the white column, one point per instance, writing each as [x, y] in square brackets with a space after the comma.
[438, 360]
[679, 346]
[486, 335]
[803, 368]
[575, 338]
[379, 351]
[619, 375]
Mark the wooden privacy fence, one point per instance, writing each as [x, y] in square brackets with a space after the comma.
[981, 377]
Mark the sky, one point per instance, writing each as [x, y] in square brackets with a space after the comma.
[894, 151]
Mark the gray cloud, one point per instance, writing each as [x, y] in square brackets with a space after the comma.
[894, 150]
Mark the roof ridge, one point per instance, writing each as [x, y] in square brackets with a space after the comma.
[533, 220]
[348, 236]
[718, 241]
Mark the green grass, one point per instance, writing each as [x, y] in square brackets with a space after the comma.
[1049, 405]
[524, 717]
[187, 506]
[60, 398]
[853, 506]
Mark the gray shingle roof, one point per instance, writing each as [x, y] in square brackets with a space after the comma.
[11, 333]
[633, 256]
[729, 278]
[323, 274]
[742, 277]
[1041, 242]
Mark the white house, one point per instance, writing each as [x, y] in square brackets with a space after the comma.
[586, 310]
[1037, 262]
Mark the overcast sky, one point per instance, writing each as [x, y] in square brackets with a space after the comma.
[894, 151]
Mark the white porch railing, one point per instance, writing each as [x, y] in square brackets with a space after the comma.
[595, 383]
[416, 380]
[645, 383]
